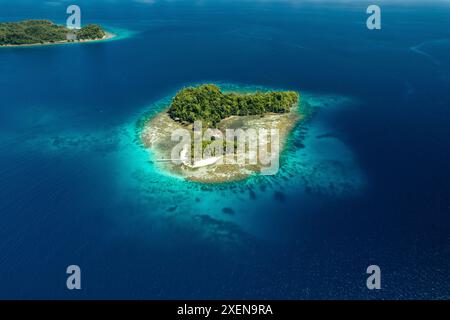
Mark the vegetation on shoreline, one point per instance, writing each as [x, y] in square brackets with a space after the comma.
[90, 31]
[44, 31]
[208, 104]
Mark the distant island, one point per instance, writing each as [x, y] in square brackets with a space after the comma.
[41, 32]
[218, 111]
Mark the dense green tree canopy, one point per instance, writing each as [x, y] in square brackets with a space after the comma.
[91, 31]
[209, 104]
[43, 31]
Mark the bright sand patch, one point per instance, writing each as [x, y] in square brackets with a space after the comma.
[157, 132]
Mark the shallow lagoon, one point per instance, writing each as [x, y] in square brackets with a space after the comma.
[313, 162]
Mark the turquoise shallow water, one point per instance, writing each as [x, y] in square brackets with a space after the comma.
[314, 161]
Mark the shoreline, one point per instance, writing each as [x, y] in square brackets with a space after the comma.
[108, 36]
[155, 136]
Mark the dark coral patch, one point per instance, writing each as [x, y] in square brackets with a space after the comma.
[228, 211]
[279, 196]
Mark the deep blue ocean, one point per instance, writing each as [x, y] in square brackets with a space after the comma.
[365, 181]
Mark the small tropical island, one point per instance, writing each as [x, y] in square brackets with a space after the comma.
[45, 32]
[208, 115]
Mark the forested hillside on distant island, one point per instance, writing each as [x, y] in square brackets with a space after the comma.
[45, 31]
[209, 104]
